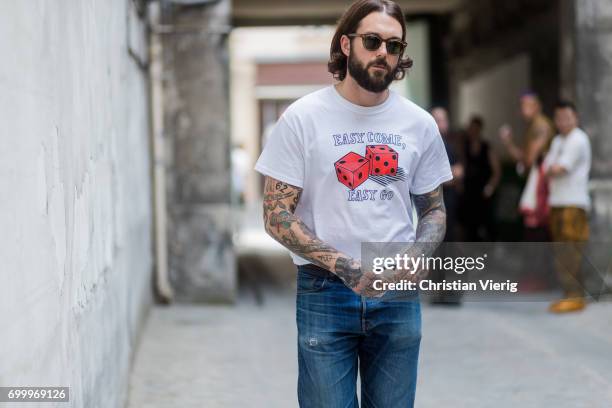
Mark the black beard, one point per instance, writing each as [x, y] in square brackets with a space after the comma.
[369, 82]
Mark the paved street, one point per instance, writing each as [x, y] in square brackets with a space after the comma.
[479, 355]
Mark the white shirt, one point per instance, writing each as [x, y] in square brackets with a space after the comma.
[357, 166]
[572, 152]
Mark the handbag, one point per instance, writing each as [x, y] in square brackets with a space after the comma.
[534, 200]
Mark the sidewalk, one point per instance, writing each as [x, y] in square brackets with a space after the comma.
[478, 355]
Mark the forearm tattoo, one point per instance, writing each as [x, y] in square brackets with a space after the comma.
[349, 271]
[431, 226]
[432, 219]
[279, 204]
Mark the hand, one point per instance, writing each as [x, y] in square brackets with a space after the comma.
[555, 170]
[505, 134]
[359, 281]
[395, 275]
[457, 171]
[488, 191]
[366, 285]
[370, 279]
[419, 274]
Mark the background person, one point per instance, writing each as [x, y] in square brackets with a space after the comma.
[482, 175]
[529, 157]
[567, 165]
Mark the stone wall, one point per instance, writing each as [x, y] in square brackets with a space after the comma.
[593, 90]
[197, 138]
[75, 204]
[593, 61]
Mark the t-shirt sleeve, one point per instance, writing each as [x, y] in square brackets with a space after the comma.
[433, 167]
[283, 155]
[549, 159]
[571, 154]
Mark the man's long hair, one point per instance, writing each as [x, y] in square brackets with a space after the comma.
[348, 24]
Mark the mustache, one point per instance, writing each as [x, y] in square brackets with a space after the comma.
[380, 62]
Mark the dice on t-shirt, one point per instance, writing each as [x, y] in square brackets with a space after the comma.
[352, 169]
[383, 160]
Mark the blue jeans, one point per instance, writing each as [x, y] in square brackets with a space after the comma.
[339, 331]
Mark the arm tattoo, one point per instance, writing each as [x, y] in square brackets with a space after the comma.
[431, 225]
[279, 203]
[432, 217]
[349, 271]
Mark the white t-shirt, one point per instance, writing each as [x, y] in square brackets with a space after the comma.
[356, 165]
[573, 152]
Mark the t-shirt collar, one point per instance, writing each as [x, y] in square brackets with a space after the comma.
[364, 110]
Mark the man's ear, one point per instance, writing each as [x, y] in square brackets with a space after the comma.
[345, 45]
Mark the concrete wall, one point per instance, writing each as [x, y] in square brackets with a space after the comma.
[593, 58]
[75, 198]
[508, 80]
[593, 88]
[197, 137]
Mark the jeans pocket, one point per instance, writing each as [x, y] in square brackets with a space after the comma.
[307, 283]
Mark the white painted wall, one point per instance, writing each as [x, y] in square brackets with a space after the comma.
[500, 106]
[75, 209]
[417, 82]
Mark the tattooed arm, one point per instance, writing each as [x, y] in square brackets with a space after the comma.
[431, 226]
[537, 145]
[432, 220]
[279, 203]
[430, 232]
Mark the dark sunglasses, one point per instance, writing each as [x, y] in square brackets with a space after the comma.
[371, 42]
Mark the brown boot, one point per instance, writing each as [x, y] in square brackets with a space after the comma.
[567, 305]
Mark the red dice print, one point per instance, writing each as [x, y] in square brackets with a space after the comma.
[383, 160]
[352, 169]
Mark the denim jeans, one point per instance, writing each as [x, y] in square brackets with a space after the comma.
[340, 331]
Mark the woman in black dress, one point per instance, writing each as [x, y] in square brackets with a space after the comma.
[482, 174]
